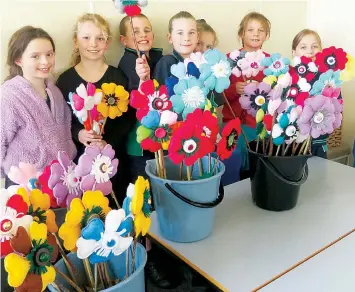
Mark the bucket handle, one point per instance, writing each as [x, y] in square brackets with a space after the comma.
[282, 178]
[197, 204]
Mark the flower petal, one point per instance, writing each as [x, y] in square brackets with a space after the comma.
[81, 91]
[108, 88]
[114, 219]
[105, 187]
[75, 213]
[21, 242]
[93, 230]
[121, 93]
[50, 221]
[38, 231]
[39, 200]
[123, 244]
[108, 151]
[168, 118]
[69, 235]
[17, 268]
[91, 199]
[85, 247]
[48, 277]
[53, 243]
[87, 183]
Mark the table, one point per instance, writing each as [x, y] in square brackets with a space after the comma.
[249, 246]
[332, 270]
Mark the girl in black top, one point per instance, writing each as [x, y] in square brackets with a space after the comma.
[91, 39]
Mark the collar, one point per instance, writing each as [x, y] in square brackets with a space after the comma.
[177, 56]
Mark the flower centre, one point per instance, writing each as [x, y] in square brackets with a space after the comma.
[6, 225]
[42, 257]
[160, 133]
[293, 92]
[277, 65]
[189, 146]
[110, 240]
[33, 183]
[71, 181]
[102, 168]
[158, 104]
[290, 131]
[331, 60]
[232, 139]
[156, 101]
[330, 83]
[193, 97]
[260, 100]
[301, 69]
[318, 117]
[221, 69]
[254, 65]
[111, 100]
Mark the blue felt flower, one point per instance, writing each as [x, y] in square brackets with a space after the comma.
[275, 65]
[189, 95]
[328, 79]
[100, 242]
[216, 72]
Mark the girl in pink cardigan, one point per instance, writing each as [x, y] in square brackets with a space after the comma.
[35, 119]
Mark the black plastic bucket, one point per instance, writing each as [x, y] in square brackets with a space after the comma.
[276, 180]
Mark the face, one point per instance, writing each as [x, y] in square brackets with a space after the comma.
[143, 33]
[184, 36]
[307, 47]
[38, 60]
[206, 41]
[254, 35]
[91, 41]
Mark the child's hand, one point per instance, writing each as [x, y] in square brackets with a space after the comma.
[240, 87]
[88, 137]
[142, 68]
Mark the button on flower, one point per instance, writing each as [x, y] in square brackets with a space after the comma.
[275, 65]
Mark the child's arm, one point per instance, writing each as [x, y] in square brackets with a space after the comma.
[142, 69]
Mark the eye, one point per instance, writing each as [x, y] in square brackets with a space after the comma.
[315, 46]
[192, 32]
[261, 30]
[210, 47]
[86, 38]
[35, 57]
[180, 33]
[50, 54]
[250, 29]
[303, 48]
[147, 30]
[101, 39]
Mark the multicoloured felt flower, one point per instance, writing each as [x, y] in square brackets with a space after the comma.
[318, 116]
[43, 181]
[63, 180]
[305, 68]
[275, 65]
[130, 7]
[99, 242]
[251, 63]
[349, 72]
[228, 143]
[13, 210]
[236, 57]
[331, 58]
[96, 167]
[25, 175]
[31, 268]
[151, 98]
[86, 98]
[155, 132]
[141, 206]
[114, 102]
[298, 92]
[255, 95]
[196, 58]
[189, 95]
[328, 84]
[216, 72]
[93, 204]
[187, 144]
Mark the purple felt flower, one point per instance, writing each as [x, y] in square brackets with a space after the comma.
[255, 95]
[96, 168]
[319, 116]
[63, 180]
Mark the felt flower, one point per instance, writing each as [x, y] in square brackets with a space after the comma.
[82, 115]
[328, 84]
[130, 7]
[13, 210]
[283, 81]
[318, 116]
[150, 99]
[275, 65]
[126, 206]
[114, 102]
[195, 58]
[298, 92]
[187, 144]
[141, 206]
[251, 63]
[305, 68]
[236, 57]
[97, 167]
[331, 58]
[155, 132]
[43, 181]
[99, 242]
[31, 268]
[228, 143]
[63, 180]
[215, 73]
[209, 107]
[25, 175]
[349, 72]
[92, 204]
[86, 97]
[338, 109]
[189, 95]
[255, 95]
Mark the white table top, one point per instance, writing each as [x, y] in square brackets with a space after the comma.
[249, 246]
[330, 271]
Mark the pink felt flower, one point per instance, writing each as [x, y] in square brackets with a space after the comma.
[25, 175]
[97, 167]
[251, 63]
[44, 179]
[255, 95]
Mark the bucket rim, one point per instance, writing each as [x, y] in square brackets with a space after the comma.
[278, 157]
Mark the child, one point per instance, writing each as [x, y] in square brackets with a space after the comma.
[308, 43]
[91, 40]
[145, 37]
[254, 29]
[207, 37]
[36, 122]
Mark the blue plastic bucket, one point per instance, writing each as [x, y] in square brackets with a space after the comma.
[185, 209]
[117, 270]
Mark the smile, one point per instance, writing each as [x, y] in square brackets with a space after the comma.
[44, 70]
[143, 42]
[93, 51]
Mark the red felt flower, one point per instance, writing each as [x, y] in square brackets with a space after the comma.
[43, 180]
[206, 122]
[187, 144]
[228, 143]
[151, 99]
[331, 58]
[268, 122]
[305, 68]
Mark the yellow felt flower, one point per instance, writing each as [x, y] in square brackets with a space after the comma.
[92, 203]
[34, 270]
[349, 72]
[156, 83]
[114, 102]
[271, 79]
[209, 107]
[141, 206]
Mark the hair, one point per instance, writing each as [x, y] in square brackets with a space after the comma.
[18, 44]
[125, 20]
[203, 26]
[96, 19]
[254, 16]
[298, 38]
[181, 14]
